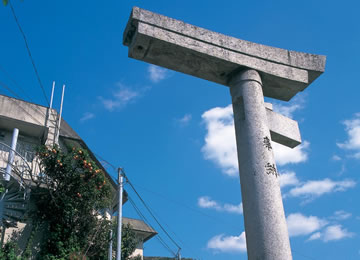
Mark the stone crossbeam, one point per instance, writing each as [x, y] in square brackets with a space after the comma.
[183, 47]
[283, 130]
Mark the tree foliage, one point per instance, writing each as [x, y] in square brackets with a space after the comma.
[70, 195]
[76, 190]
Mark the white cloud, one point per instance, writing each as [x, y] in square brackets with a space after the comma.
[356, 155]
[299, 225]
[288, 179]
[184, 120]
[288, 110]
[341, 215]
[315, 236]
[336, 158]
[220, 143]
[156, 73]
[207, 202]
[87, 116]
[285, 155]
[352, 128]
[332, 233]
[320, 187]
[224, 243]
[238, 209]
[120, 98]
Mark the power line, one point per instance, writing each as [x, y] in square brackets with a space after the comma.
[165, 245]
[20, 98]
[148, 208]
[213, 218]
[29, 52]
[15, 83]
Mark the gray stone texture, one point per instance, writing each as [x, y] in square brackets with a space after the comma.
[265, 224]
[283, 130]
[186, 48]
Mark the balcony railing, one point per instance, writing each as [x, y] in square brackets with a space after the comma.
[25, 166]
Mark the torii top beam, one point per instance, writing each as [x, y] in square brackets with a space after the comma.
[183, 47]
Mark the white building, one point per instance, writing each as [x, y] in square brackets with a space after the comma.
[37, 125]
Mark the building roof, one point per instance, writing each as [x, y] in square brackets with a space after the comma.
[140, 226]
[31, 119]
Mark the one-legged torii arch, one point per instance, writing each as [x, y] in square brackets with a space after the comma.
[251, 71]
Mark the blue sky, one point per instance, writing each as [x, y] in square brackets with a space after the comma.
[173, 133]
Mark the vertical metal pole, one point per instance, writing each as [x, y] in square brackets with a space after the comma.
[52, 95]
[265, 224]
[120, 190]
[110, 245]
[11, 154]
[3, 230]
[59, 122]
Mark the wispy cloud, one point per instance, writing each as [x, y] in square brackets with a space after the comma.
[185, 120]
[121, 97]
[352, 128]
[312, 189]
[156, 74]
[341, 215]
[288, 179]
[228, 244]
[300, 225]
[291, 107]
[332, 233]
[207, 202]
[220, 143]
[87, 116]
[336, 158]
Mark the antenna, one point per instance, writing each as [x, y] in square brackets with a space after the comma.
[59, 121]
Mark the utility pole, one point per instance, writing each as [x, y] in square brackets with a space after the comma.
[120, 190]
[111, 238]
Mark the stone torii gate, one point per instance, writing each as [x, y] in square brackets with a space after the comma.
[251, 71]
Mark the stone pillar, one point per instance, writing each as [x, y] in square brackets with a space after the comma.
[265, 224]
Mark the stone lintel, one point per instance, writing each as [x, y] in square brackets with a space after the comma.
[186, 48]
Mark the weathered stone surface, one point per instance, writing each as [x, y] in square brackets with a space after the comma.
[183, 47]
[283, 130]
[265, 224]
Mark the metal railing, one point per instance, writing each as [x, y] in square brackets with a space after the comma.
[24, 168]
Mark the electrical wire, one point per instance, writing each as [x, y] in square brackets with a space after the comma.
[148, 208]
[29, 52]
[15, 83]
[160, 239]
[17, 104]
